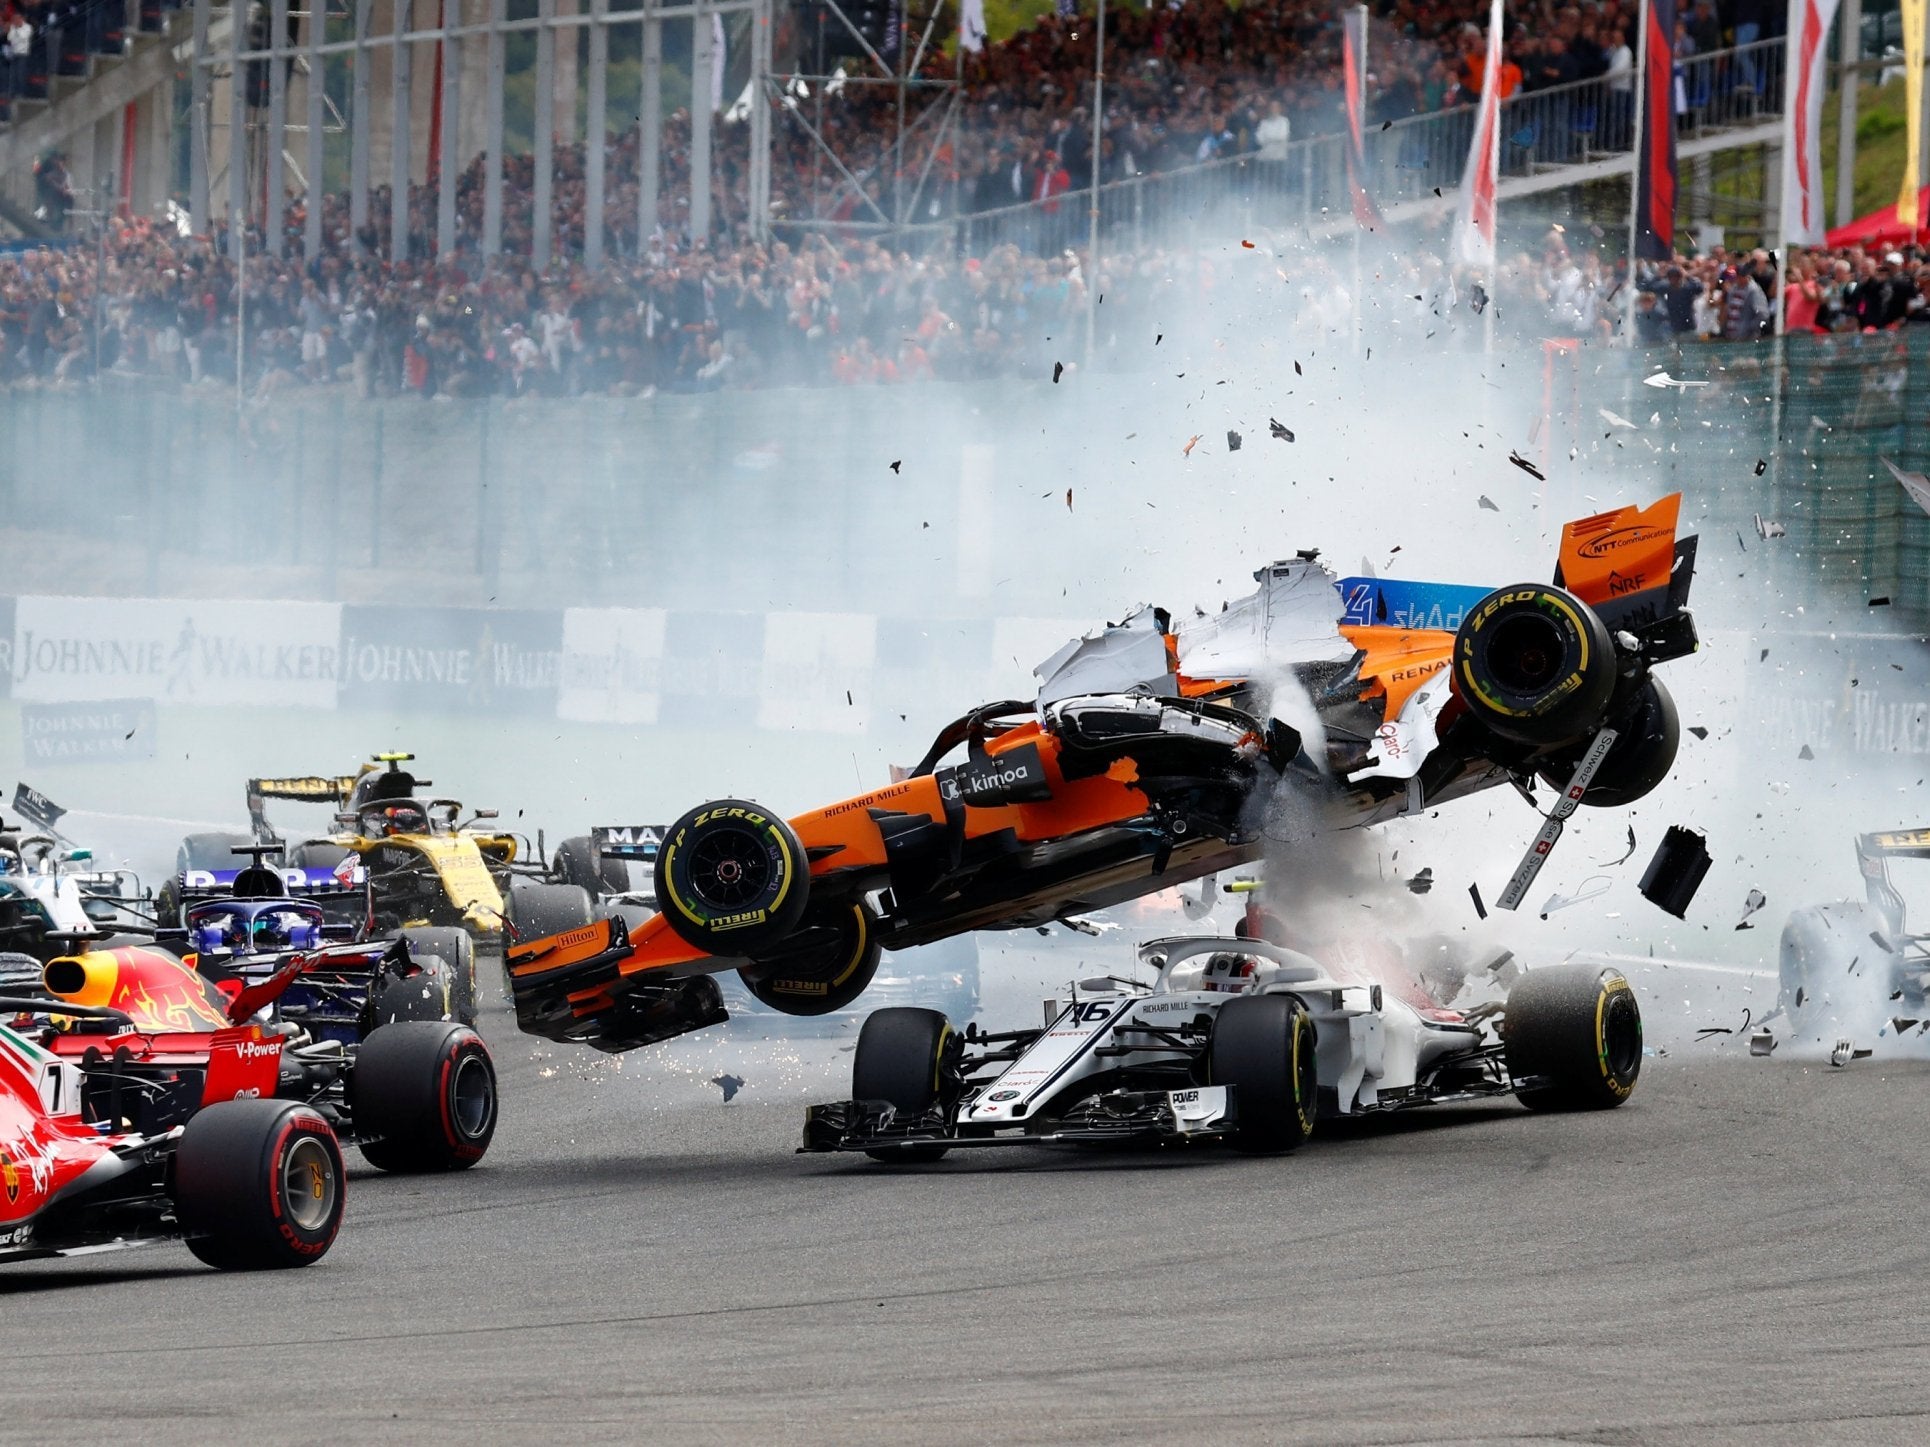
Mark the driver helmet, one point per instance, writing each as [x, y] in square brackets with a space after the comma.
[401, 819]
[1229, 974]
[285, 929]
[218, 929]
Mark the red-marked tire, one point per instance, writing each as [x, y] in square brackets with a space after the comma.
[259, 1185]
[422, 1097]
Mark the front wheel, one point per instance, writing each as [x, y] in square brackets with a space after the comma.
[732, 878]
[1573, 1035]
[1263, 1046]
[258, 1185]
[901, 1060]
[457, 952]
[577, 863]
[422, 1097]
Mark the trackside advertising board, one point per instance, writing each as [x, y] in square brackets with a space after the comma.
[450, 659]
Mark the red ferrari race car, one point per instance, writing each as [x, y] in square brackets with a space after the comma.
[1156, 752]
[248, 1183]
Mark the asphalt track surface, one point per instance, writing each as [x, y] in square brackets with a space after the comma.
[1738, 1255]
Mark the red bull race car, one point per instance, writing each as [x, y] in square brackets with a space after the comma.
[1157, 751]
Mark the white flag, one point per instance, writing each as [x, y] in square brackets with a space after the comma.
[1807, 54]
[1473, 243]
[971, 25]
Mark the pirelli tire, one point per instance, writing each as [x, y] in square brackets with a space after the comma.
[422, 1098]
[537, 911]
[577, 863]
[1535, 664]
[836, 956]
[1573, 1038]
[457, 952]
[259, 1185]
[198, 851]
[1647, 734]
[732, 878]
[1263, 1046]
[901, 1058]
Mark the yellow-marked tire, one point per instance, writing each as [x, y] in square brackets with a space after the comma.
[827, 963]
[901, 1059]
[1263, 1046]
[1535, 664]
[1573, 1035]
[732, 878]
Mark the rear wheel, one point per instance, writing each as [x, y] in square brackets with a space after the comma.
[1574, 1038]
[837, 956]
[457, 951]
[1263, 1046]
[258, 1185]
[422, 1097]
[1535, 664]
[732, 878]
[428, 993]
[537, 911]
[576, 863]
[900, 1059]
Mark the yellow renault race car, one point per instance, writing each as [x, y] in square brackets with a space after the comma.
[424, 864]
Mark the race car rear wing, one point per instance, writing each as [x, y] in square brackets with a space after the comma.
[1629, 566]
[349, 877]
[1872, 853]
[307, 789]
[627, 841]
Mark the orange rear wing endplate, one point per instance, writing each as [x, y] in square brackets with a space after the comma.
[1629, 566]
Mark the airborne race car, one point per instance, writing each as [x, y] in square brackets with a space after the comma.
[1153, 755]
[1236, 1040]
[1854, 966]
[248, 1183]
[425, 866]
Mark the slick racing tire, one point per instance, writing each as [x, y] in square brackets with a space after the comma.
[422, 1097]
[212, 851]
[1263, 1046]
[1646, 739]
[576, 863]
[457, 951]
[901, 1059]
[1535, 664]
[427, 995]
[258, 1185]
[837, 954]
[537, 911]
[1573, 1038]
[316, 854]
[732, 878]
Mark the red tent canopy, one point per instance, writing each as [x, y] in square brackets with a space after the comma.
[1880, 228]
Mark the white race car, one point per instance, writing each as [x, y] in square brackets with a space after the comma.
[1235, 1040]
[46, 903]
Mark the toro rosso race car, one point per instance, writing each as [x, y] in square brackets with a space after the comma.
[1153, 754]
[1236, 1040]
[248, 1183]
[1855, 966]
[425, 866]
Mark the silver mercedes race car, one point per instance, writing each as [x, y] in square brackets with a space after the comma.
[1235, 1039]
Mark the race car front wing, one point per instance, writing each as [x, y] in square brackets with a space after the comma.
[1194, 1113]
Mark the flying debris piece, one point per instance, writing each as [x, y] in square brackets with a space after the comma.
[1437, 190]
[1058, 371]
[1914, 483]
[1663, 379]
[1474, 893]
[1610, 864]
[1233, 440]
[1247, 244]
[1276, 429]
[847, 699]
[1882, 602]
[898, 464]
[1754, 901]
[1560, 901]
[1422, 882]
[1761, 467]
[1525, 137]
[1526, 466]
[1159, 338]
[1763, 657]
[1191, 442]
[1478, 298]
[1709, 1032]
[1762, 1042]
[1487, 503]
[1296, 369]
[1545, 837]
[1676, 871]
[1700, 732]
[1806, 753]
[1846, 1051]
[1766, 529]
[1068, 499]
[729, 1084]
[1900, 1025]
[1614, 419]
[1386, 125]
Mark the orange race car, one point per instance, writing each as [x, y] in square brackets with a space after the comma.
[1155, 753]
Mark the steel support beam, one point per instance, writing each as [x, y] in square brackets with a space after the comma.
[198, 121]
[594, 132]
[400, 79]
[545, 157]
[449, 160]
[760, 178]
[274, 186]
[361, 119]
[237, 136]
[316, 93]
[649, 125]
[700, 118]
[492, 237]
